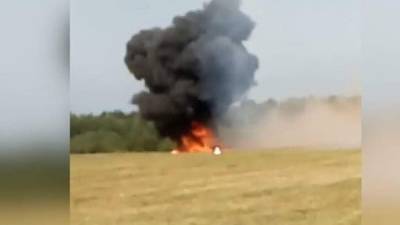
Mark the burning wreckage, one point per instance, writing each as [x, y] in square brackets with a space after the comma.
[194, 70]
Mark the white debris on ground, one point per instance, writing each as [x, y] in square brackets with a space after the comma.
[217, 150]
[174, 152]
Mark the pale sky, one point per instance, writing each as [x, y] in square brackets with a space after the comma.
[304, 46]
[307, 47]
[33, 75]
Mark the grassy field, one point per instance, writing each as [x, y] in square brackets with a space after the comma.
[280, 187]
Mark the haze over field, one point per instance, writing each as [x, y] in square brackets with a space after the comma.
[305, 122]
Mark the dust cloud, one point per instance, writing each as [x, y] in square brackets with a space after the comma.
[333, 122]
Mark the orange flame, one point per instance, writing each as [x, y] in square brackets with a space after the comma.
[199, 139]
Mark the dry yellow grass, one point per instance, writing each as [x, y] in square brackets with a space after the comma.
[281, 187]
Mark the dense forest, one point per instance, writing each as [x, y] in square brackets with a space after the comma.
[119, 131]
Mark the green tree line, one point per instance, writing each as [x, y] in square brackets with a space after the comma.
[113, 132]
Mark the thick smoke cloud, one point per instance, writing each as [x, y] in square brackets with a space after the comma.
[194, 69]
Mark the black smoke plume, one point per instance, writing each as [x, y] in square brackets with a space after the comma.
[194, 69]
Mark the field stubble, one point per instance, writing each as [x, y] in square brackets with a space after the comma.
[238, 188]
